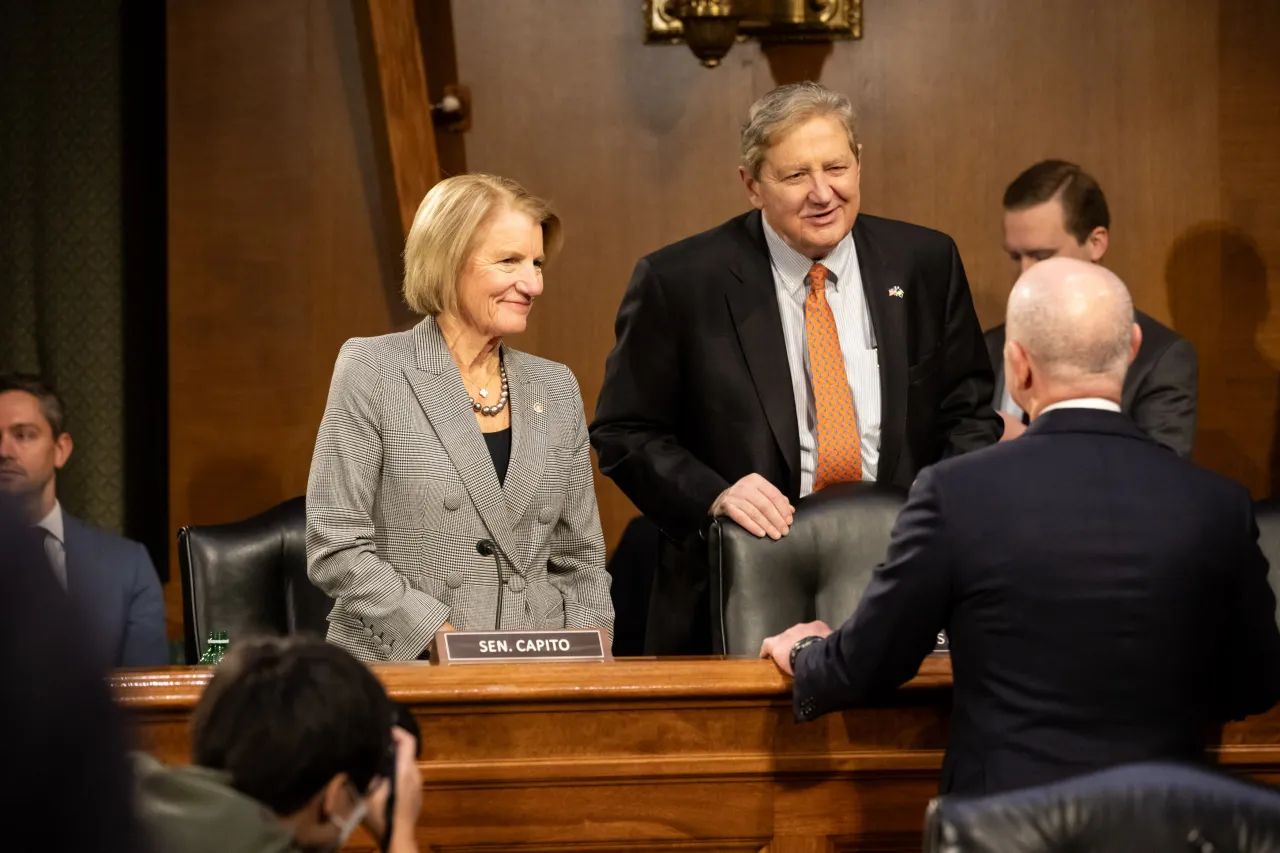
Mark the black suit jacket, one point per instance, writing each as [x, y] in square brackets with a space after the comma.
[1160, 389]
[1106, 602]
[697, 393]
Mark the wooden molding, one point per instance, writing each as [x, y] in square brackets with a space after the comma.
[669, 754]
[402, 108]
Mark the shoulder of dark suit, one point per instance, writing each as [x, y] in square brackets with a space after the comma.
[101, 544]
[1010, 458]
[1156, 336]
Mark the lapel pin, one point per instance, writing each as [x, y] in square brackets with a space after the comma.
[538, 407]
[896, 291]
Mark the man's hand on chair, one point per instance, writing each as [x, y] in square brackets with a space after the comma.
[757, 505]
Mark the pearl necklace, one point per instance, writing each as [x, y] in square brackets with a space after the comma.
[502, 400]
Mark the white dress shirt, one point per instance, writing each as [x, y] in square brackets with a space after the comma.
[1084, 403]
[857, 345]
[1007, 403]
[55, 546]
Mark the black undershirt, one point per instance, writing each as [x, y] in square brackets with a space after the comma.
[499, 444]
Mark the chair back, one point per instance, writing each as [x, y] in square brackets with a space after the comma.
[1149, 807]
[819, 570]
[249, 577]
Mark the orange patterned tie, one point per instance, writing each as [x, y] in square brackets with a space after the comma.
[839, 445]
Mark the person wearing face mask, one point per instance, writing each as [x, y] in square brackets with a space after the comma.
[287, 743]
[451, 483]
[798, 345]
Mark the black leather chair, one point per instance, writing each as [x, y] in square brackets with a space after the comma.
[1139, 807]
[632, 567]
[819, 570]
[249, 577]
[1268, 514]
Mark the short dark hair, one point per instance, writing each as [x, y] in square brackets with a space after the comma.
[1083, 203]
[283, 716]
[50, 402]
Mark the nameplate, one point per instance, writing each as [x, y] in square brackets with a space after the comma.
[942, 645]
[576, 644]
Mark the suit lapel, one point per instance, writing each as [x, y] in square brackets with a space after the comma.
[880, 279]
[995, 352]
[754, 308]
[528, 436]
[438, 387]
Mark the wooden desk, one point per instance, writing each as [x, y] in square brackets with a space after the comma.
[643, 754]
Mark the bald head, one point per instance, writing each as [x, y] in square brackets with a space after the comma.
[1073, 323]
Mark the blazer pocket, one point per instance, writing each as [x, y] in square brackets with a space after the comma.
[926, 366]
[547, 602]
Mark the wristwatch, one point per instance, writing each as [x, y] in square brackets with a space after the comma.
[802, 644]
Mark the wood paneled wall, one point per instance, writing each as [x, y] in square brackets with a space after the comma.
[279, 246]
[278, 252]
[1172, 104]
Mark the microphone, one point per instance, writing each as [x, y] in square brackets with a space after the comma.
[486, 548]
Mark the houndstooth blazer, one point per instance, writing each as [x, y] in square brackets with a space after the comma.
[402, 488]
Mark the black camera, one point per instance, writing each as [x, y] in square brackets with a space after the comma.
[401, 717]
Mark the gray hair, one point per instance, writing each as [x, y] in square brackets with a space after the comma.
[1075, 319]
[784, 108]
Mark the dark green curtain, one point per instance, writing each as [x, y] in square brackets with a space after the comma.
[61, 235]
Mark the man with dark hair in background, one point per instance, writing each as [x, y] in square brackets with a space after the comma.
[288, 745]
[1056, 209]
[111, 578]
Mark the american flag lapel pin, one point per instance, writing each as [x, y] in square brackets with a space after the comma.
[896, 291]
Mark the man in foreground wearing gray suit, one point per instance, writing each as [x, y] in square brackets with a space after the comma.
[110, 578]
[1056, 210]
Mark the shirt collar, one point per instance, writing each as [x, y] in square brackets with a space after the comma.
[53, 523]
[1084, 403]
[792, 266]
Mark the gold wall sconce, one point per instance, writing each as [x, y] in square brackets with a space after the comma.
[710, 27]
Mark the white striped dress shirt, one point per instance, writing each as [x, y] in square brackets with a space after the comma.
[857, 343]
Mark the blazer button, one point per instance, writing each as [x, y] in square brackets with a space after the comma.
[516, 583]
[452, 502]
[455, 580]
[546, 515]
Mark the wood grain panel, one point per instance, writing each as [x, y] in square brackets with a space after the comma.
[402, 118]
[277, 250]
[637, 144]
[1223, 272]
[656, 754]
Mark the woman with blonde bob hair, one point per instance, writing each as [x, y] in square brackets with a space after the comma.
[451, 480]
